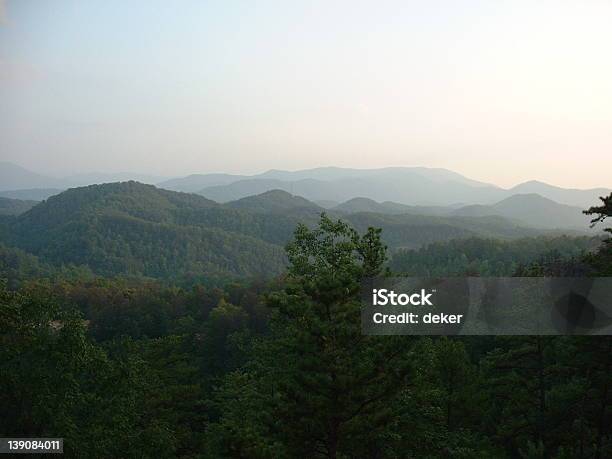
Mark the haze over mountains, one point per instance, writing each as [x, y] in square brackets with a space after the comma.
[15, 206]
[414, 186]
[533, 210]
[136, 229]
[13, 177]
[387, 191]
[16, 178]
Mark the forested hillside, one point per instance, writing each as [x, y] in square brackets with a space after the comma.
[129, 228]
[532, 210]
[412, 231]
[274, 201]
[306, 229]
[488, 257]
[15, 206]
[281, 368]
[393, 208]
[136, 229]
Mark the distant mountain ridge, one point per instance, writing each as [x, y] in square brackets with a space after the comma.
[412, 186]
[529, 210]
[96, 178]
[32, 194]
[14, 177]
[533, 210]
[340, 173]
[417, 191]
[196, 182]
[274, 201]
[136, 229]
[388, 207]
[569, 196]
[408, 186]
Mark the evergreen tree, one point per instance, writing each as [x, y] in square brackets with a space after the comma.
[602, 260]
[327, 389]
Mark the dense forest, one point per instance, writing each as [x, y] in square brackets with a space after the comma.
[15, 206]
[132, 229]
[489, 257]
[101, 344]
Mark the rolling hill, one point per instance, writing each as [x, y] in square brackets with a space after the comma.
[96, 178]
[274, 201]
[423, 190]
[404, 186]
[136, 229]
[15, 206]
[250, 187]
[196, 182]
[573, 197]
[412, 186]
[413, 231]
[131, 228]
[14, 177]
[340, 173]
[326, 203]
[488, 257]
[368, 205]
[388, 207]
[531, 210]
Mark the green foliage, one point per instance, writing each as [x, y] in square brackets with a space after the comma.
[551, 395]
[57, 383]
[131, 229]
[601, 212]
[275, 201]
[487, 257]
[17, 266]
[131, 367]
[324, 382]
[602, 260]
[135, 229]
[15, 206]
[594, 263]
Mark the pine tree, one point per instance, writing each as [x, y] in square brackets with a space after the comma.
[327, 389]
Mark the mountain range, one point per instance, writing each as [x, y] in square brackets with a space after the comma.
[530, 210]
[396, 191]
[413, 186]
[15, 179]
[138, 229]
[410, 186]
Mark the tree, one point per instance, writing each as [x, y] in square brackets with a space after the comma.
[326, 389]
[602, 260]
[55, 382]
[224, 322]
[519, 376]
[601, 212]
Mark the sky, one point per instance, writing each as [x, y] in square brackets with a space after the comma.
[500, 91]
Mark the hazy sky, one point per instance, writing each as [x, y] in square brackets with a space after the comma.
[501, 91]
